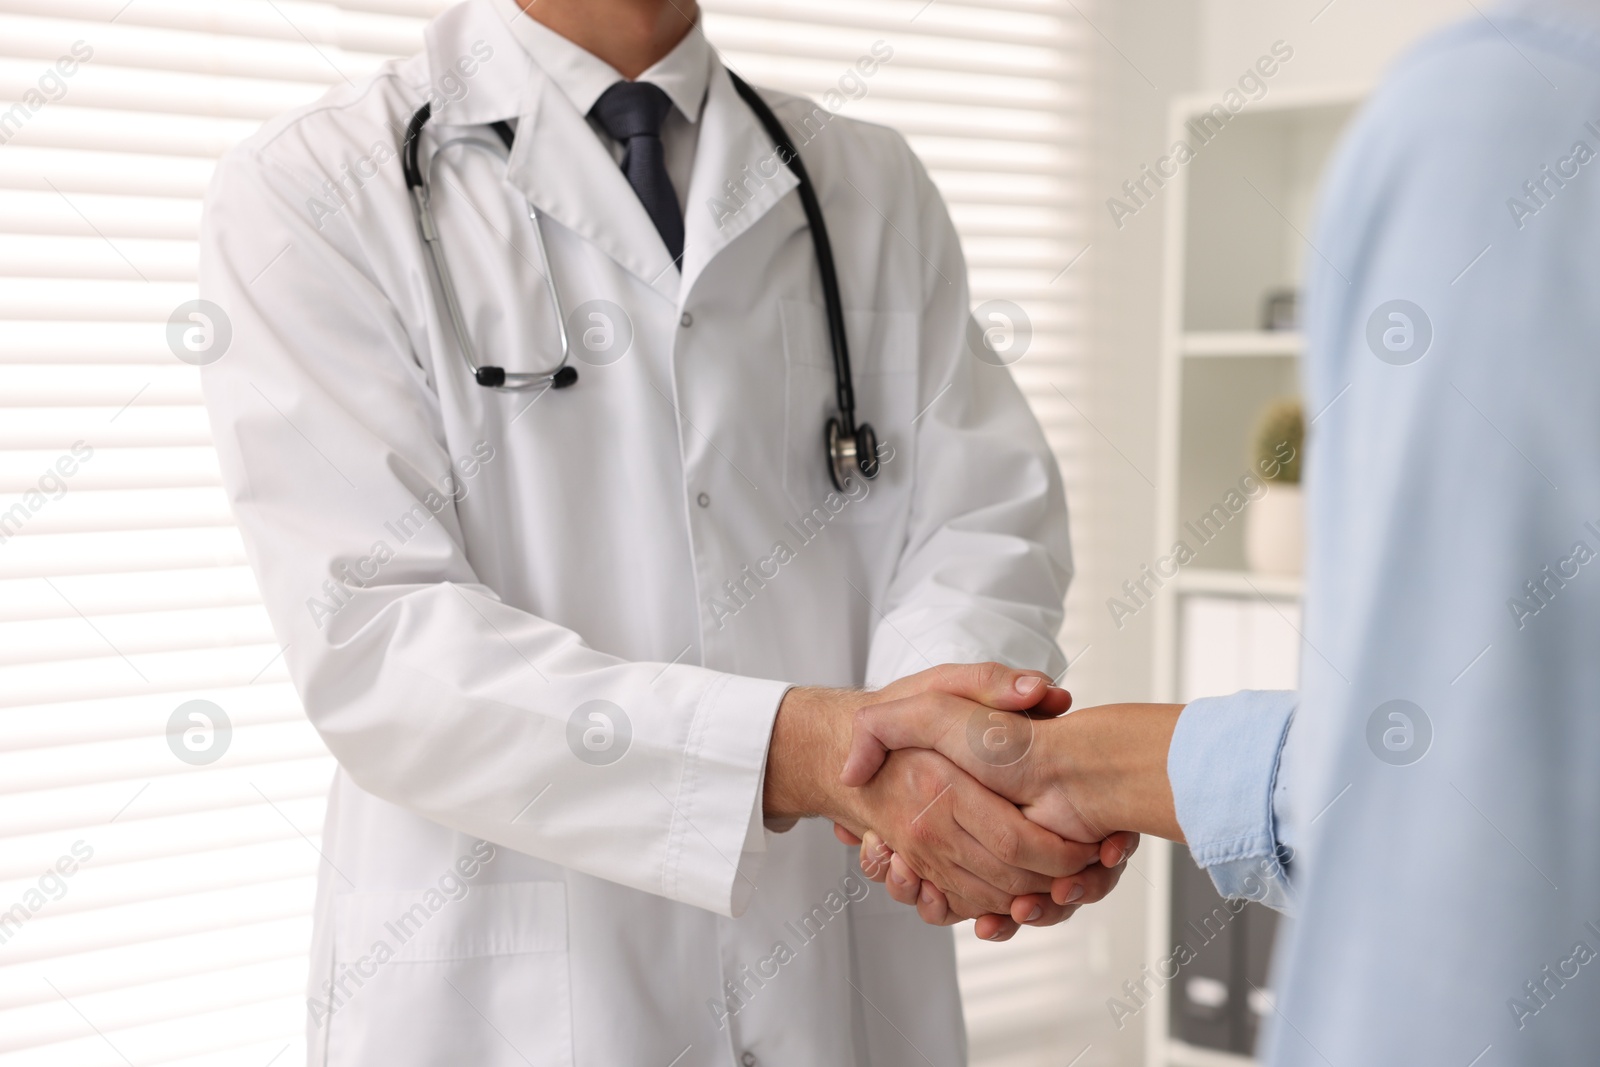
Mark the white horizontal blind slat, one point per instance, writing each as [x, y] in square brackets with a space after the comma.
[124, 589]
[123, 585]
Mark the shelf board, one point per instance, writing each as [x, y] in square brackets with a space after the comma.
[1242, 343]
[1284, 100]
[1241, 583]
[1180, 1054]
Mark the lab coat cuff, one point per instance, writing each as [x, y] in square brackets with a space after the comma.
[718, 841]
[1223, 766]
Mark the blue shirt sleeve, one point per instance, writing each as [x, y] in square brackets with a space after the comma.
[1223, 766]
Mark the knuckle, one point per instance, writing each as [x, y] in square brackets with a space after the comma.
[995, 901]
[1052, 914]
[924, 833]
[1073, 857]
[1007, 845]
[1097, 888]
[963, 908]
[928, 777]
[1017, 883]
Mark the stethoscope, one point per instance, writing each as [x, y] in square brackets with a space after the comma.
[849, 447]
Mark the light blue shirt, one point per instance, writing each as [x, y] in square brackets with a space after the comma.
[1438, 787]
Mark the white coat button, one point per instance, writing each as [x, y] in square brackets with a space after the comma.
[704, 500]
[748, 1059]
[686, 321]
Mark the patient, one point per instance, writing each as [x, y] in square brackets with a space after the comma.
[1438, 785]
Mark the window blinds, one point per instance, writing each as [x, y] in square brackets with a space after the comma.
[157, 855]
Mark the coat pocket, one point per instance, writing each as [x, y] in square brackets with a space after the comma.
[883, 363]
[421, 980]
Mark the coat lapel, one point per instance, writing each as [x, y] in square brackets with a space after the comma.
[557, 162]
[564, 170]
[477, 71]
[737, 177]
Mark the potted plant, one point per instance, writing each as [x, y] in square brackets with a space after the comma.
[1275, 528]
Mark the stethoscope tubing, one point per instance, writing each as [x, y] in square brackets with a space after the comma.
[419, 182]
[848, 447]
[831, 299]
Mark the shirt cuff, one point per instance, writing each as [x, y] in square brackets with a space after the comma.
[1223, 766]
[755, 834]
[718, 842]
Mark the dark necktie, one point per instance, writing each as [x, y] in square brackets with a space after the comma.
[632, 113]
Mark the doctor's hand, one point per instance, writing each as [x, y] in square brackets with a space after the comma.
[956, 833]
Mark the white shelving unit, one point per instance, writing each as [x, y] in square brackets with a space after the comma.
[1234, 227]
[1239, 343]
[1193, 581]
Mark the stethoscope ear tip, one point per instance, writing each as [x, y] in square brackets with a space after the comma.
[564, 377]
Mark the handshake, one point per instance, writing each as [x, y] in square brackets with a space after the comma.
[971, 794]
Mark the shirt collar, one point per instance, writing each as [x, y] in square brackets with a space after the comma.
[582, 76]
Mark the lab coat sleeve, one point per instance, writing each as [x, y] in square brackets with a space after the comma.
[432, 692]
[987, 559]
[1223, 765]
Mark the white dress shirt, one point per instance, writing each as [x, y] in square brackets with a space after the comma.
[582, 76]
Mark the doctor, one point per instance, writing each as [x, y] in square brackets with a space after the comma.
[564, 576]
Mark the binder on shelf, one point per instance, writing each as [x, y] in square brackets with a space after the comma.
[1238, 642]
[1222, 950]
[1261, 926]
[1229, 642]
[1204, 949]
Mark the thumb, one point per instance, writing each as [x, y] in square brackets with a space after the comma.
[1117, 847]
[910, 722]
[997, 686]
[867, 751]
[922, 721]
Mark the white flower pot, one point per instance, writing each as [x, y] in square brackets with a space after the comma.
[1275, 531]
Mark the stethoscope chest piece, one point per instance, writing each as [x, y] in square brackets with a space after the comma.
[850, 454]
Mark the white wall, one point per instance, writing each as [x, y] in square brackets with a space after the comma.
[1147, 54]
[1350, 41]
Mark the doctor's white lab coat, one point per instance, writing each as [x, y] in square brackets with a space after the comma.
[545, 635]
